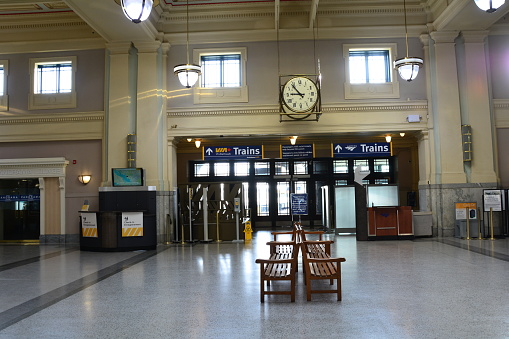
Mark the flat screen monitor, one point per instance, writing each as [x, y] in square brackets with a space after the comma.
[123, 177]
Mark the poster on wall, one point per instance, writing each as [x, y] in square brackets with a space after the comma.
[493, 200]
[89, 225]
[132, 224]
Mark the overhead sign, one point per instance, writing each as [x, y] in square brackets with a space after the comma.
[17, 197]
[299, 203]
[297, 151]
[366, 149]
[232, 152]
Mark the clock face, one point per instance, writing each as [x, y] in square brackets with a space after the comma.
[300, 94]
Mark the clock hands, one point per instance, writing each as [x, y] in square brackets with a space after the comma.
[298, 93]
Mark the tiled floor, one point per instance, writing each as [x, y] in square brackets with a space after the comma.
[427, 288]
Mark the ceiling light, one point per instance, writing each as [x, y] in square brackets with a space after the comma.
[402, 134]
[408, 67]
[188, 73]
[189, 139]
[388, 138]
[489, 6]
[197, 143]
[293, 139]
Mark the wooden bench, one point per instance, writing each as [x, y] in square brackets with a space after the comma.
[280, 266]
[319, 265]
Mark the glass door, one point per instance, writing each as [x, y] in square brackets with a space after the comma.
[19, 209]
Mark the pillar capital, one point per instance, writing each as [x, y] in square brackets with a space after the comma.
[444, 37]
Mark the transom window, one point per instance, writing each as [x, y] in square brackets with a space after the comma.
[369, 66]
[221, 70]
[53, 77]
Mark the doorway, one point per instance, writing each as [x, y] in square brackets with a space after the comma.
[19, 210]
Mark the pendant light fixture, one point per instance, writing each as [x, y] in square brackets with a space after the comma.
[187, 73]
[408, 67]
[489, 6]
[137, 10]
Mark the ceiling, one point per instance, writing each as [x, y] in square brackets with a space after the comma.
[247, 20]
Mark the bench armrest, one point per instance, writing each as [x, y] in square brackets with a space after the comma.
[275, 261]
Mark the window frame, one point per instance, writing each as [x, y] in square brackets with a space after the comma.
[52, 100]
[4, 97]
[214, 95]
[386, 90]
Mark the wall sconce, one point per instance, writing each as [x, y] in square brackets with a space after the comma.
[489, 6]
[84, 178]
[388, 138]
[293, 139]
[189, 139]
[197, 143]
[402, 134]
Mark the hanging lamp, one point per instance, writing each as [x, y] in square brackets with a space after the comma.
[408, 67]
[489, 6]
[137, 10]
[187, 73]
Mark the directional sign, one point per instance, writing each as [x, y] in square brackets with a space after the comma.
[16, 197]
[232, 152]
[366, 149]
[297, 151]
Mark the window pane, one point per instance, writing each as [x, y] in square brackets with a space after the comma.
[222, 169]
[300, 167]
[53, 78]
[340, 166]
[381, 165]
[262, 168]
[282, 168]
[363, 163]
[369, 66]
[221, 70]
[201, 170]
[341, 182]
[262, 199]
[241, 168]
[320, 167]
[283, 198]
[300, 187]
[381, 181]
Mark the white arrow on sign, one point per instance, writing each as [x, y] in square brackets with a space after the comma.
[209, 151]
[338, 148]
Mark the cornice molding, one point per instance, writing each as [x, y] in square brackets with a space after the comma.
[332, 108]
[51, 118]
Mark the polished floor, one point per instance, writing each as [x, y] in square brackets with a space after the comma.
[426, 288]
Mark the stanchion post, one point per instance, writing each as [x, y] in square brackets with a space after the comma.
[492, 228]
[217, 227]
[468, 223]
[479, 236]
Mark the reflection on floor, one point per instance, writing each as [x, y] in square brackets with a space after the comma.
[427, 288]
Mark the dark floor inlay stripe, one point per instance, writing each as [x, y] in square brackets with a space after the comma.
[476, 249]
[35, 259]
[30, 307]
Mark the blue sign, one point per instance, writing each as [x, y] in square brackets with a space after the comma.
[299, 203]
[232, 152]
[297, 151]
[366, 149]
[17, 197]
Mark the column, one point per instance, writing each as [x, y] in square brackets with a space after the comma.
[119, 112]
[446, 111]
[151, 122]
[477, 108]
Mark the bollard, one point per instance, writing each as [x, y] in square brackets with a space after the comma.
[479, 236]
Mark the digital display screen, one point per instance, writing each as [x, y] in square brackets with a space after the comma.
[127, 177]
